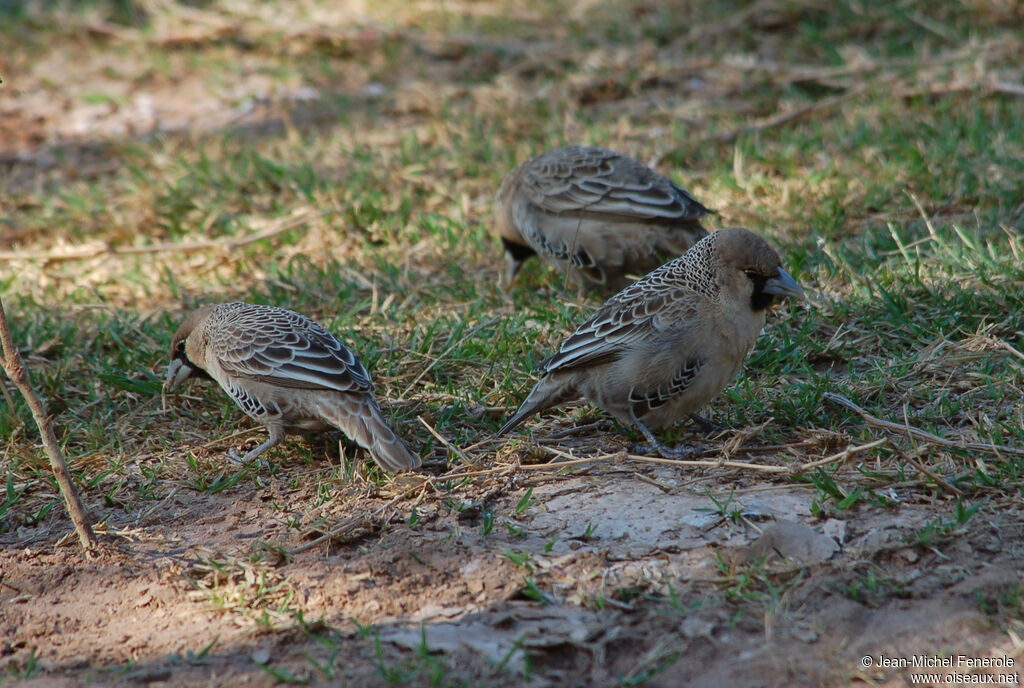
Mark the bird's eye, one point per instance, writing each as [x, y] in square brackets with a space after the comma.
[751, 273]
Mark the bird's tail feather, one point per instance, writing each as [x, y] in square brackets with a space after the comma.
[359, 417]
[522, 414]
[545, 394]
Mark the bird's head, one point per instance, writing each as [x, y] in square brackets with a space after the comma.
[512, 241]
[182, 366]
[750, 268]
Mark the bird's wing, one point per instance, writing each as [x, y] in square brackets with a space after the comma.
[284, 348]
[603, 182]
[631, 316]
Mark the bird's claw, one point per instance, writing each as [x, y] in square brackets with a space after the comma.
[234, 458]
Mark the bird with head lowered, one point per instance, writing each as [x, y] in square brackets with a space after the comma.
[286, 372]
[600, 217]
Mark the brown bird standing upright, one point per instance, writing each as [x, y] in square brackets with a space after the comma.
[287, 373]
[596, 215]
[668, 344]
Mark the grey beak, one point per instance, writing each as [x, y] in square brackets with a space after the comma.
[177, 372]
[784, 285]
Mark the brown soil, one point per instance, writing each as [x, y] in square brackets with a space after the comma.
[143, 611]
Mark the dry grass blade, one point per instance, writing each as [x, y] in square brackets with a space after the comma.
[938, 480]
[451, 447]
[917, 433]
[1007, 347]
[456, 342]
[682, 463]
[838, 457]
[170, 495]
[790, 116]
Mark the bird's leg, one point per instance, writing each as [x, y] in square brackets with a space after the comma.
[680, 452]
[707, 426]
[277, 434]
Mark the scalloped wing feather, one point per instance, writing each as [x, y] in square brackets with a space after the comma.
[275, 345]
[603, 182]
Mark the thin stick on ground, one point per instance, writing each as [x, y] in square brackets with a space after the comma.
[366, 520]
[913, 432]
[573, 461]
[937, 479]
[15, 368]
[838, 457]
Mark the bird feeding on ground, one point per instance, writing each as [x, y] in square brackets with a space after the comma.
[599, 216]
[287, 373]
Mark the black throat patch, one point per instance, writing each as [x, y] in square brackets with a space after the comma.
[760, 300]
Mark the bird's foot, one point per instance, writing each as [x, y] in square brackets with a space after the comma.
[680, 452]
[246, 460]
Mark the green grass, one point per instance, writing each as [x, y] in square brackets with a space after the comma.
[899, 208]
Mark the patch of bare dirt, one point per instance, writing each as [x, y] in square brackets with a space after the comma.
[606, 576]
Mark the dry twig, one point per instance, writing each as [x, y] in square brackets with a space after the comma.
[917, 433]
[924, 470]
[707, 463]
[15, 367]
[774, 121]
[429, 482]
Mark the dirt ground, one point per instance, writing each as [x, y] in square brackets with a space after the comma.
[614, 572]
[635, 571]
